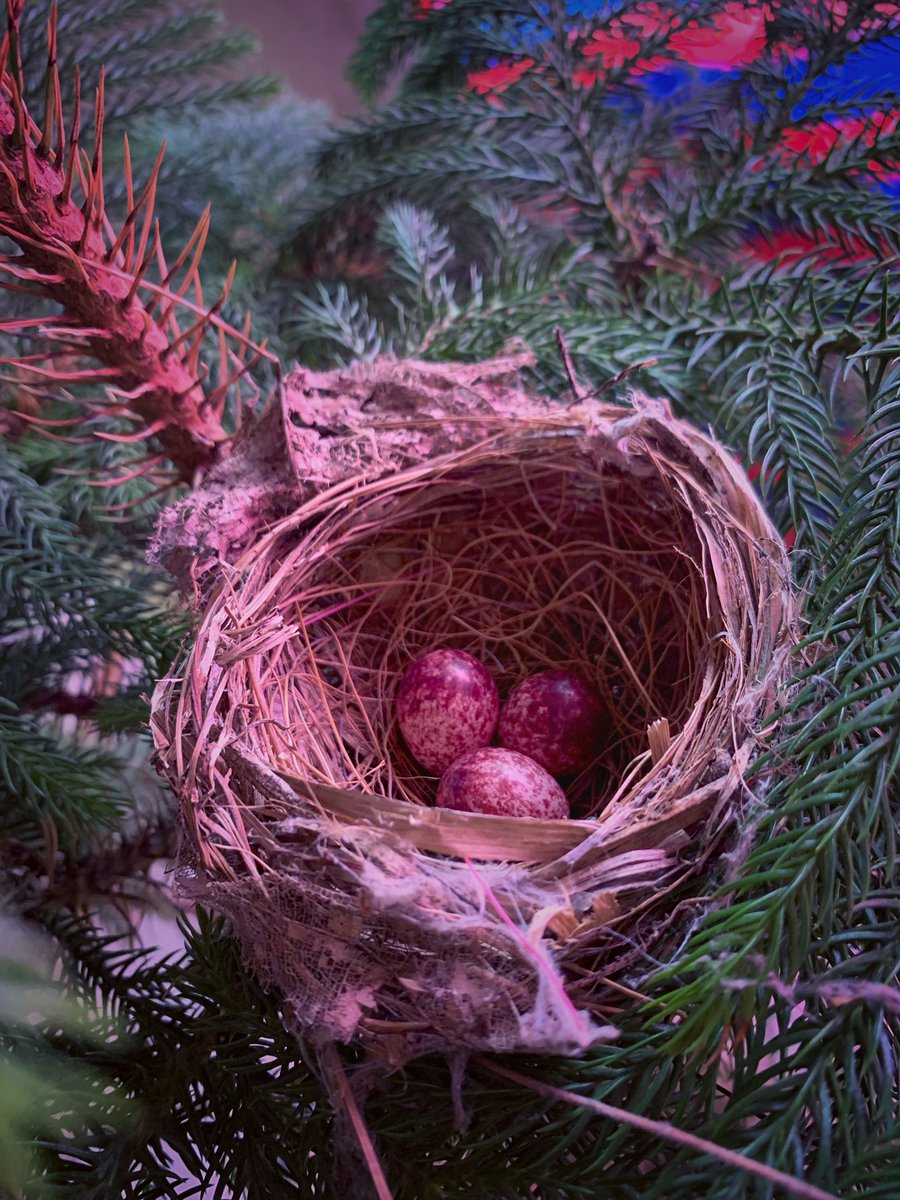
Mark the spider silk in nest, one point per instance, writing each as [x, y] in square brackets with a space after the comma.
[397, 507]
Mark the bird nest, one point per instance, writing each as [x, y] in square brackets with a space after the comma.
[440, 507]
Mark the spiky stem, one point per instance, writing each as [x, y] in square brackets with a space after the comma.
[70, 255]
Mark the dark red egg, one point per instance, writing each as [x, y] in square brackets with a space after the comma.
[447, 703]
[555, 718]
[501, 783]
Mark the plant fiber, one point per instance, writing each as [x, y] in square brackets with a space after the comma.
[444, 506]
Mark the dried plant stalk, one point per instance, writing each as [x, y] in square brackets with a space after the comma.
[440, 506]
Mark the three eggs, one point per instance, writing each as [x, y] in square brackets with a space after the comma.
[448, 710]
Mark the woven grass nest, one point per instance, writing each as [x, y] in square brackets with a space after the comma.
[443, 507]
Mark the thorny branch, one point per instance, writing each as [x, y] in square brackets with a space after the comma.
[70, 255]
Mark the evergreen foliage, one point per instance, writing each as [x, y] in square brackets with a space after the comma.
[85, 632]
[732, 254]
[34, 1077]
[249, 162]
[157, 58]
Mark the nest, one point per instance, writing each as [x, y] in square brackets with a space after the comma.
[443, 507]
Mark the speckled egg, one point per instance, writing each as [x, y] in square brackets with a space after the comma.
[555, 718]
[447, 703]
[501, 783]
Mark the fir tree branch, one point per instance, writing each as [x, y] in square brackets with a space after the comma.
[54, 794]
[138, 41]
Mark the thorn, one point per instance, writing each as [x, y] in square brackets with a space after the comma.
[202, 376]
[14, 64]
[32, 419]
[201, 232]
[198, 240]
[130, 394]
[148, 200]
[62, 250]
[134, 210]
[223, 356]
[50, 76]
[205, 318]
[141, 467]
[191, 279]
[89, 187]
[20, 324]
[142, 270]
[161, 264]
[73, 141]
[242, 336]
[21, 209]
[73, 336]
[22, 290]
[57, 91]
[63, 376]
[127, 439]
[129, 198]
[189, 305]
[221, 392]
[170, 326]
[20, 138]
[59, 119]
[97, 161]
[191, 359]
[197, 328]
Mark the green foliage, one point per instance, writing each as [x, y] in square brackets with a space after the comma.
[204, 1064]
[335, 317]
[41, 1088]
[65, 597]
[718, 165]
[48, 783]
[84, 633]
[251, 163]
[771, 1029]
[157, 58]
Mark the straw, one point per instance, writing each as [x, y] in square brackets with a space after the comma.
[458, 512]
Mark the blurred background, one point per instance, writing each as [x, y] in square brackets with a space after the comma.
[306, 42]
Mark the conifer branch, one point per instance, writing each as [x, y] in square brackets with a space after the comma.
[70, 256]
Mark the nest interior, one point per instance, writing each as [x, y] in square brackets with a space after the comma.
[529, 562]
[620, 545]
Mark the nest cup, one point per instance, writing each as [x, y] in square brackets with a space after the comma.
[619, 543]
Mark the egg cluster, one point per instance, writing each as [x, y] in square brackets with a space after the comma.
[449, 711]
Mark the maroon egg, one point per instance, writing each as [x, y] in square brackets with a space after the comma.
[555, 718]
[447, 703]
[501, 783]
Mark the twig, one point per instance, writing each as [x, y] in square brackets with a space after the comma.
[567, 363]
[609, 384]
[666, 1132]
[332, 1057]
